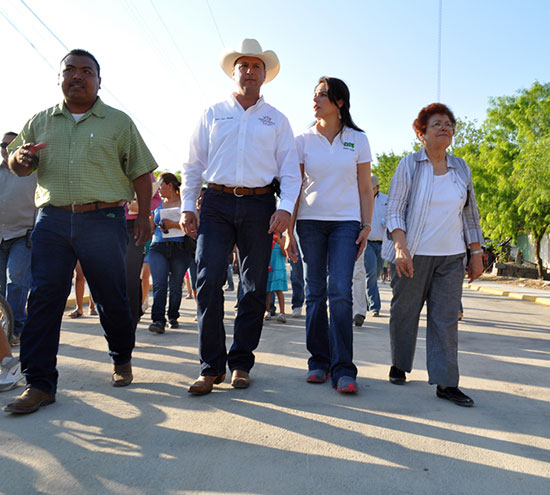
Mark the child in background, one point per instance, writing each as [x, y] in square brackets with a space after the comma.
[276, 280]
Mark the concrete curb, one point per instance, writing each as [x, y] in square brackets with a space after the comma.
[545, 301]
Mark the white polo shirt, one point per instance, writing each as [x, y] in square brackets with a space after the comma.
[330, 190]
[236, 147]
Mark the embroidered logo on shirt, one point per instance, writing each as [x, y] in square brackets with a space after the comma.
[223, 118]
[266, 120]
[349, 146]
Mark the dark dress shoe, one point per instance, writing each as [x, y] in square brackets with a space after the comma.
[122, 375]
[454, 395]
[205, 384]
[30, 401]
[240, 379]
[397, 376]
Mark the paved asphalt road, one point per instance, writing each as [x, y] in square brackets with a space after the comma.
[282, 435]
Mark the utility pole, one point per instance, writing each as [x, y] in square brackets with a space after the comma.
[439, 52]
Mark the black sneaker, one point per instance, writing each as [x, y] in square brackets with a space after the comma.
[156, 327]
[397, 376]
[454, 395]
[174, 323]
[358, 320]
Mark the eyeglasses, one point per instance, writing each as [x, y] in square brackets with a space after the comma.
[443, 125]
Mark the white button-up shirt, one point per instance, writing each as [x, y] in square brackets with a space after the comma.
[248, 148]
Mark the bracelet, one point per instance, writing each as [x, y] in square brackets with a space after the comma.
[366, 224]
[477, 251]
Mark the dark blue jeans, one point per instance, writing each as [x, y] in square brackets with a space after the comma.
[373, 268]
[226, 220]
[99, 240]
[168, 262]
[297, 282]
[15, 277]
[329, 247]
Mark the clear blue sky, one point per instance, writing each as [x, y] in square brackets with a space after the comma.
[159, 58]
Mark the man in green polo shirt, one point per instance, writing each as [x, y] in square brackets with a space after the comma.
[89, 159]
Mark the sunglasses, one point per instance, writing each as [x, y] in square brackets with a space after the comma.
[4, 145]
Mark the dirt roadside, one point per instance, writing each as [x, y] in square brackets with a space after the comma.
[531, 283]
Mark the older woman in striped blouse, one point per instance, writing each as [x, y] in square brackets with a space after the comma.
[431, 218]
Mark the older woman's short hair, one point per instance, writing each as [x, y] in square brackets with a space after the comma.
[421, 122]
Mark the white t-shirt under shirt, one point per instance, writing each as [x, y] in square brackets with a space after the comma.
[443, 233]
[330, 190]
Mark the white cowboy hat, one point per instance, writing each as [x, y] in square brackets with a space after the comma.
[251, 48]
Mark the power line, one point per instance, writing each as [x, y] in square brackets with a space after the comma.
[43, 24]
[27, 40]
[177, 48]
[215, 23]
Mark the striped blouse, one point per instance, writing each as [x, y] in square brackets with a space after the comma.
[410, 195]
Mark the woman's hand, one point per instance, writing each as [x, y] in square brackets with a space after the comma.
[170, 224]
[475, 267]
[291, 248]
[362, 240]
[403, 262]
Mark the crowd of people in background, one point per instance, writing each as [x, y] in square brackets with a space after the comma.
[79, 187]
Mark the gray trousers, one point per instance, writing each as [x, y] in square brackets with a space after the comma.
[437, 281]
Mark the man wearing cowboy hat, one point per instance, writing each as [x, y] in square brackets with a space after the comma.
[239, 147]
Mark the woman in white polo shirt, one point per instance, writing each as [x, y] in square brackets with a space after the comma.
[332, 217]
[431, 217]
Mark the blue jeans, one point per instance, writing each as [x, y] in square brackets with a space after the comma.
[134, 262]
[297, 282]
[373, 266]
[226, 220]
[15, 278]
[99, 240]
[329, 245]
[168, 262]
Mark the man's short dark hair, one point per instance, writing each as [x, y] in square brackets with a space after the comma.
[82, 53]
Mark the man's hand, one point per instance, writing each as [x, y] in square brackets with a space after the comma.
[188, 223]
[142, 229]
[362, 240]
[475, 267]
[23, 160]
[279, 222]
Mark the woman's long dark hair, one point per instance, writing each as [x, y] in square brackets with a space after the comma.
[170, 178]
[338, 90]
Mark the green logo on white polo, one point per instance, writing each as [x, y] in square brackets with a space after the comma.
[349, 146]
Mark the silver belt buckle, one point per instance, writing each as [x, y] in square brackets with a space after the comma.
[235, 192]
[72, 207]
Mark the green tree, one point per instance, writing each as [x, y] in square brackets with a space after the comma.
[510, 161]
[385, 168]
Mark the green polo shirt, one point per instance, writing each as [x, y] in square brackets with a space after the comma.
[94, 159]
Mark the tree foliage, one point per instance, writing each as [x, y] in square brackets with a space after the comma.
[385, 168]
[514, 165]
